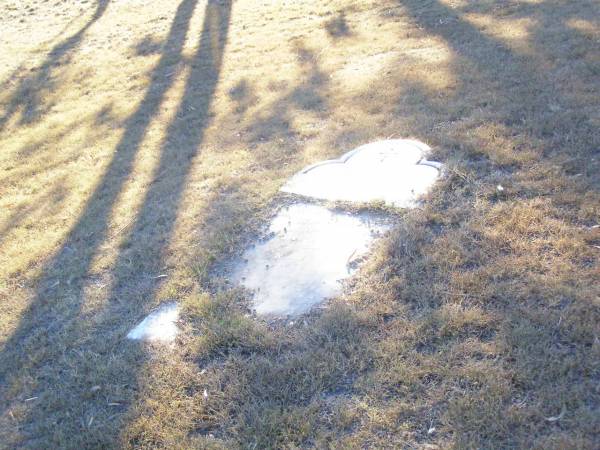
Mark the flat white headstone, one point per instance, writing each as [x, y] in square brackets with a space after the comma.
[394, 171]
[159, 325]
[309, 250]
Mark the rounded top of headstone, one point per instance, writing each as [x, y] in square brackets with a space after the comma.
[394, 171]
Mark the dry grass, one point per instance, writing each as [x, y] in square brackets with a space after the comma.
[142, 139]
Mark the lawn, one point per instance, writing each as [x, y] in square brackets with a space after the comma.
[142, 144]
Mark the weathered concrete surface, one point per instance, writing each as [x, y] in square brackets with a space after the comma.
[308, 251]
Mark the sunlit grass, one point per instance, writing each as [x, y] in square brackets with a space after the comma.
[143, 143]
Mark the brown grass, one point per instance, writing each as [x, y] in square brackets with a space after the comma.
[141, 139]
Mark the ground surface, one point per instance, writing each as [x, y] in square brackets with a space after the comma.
[140, 142]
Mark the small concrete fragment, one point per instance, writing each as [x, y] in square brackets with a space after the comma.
[309, 249]
[160, 325]
[394, 171]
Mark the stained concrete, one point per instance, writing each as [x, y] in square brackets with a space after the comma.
[160, 325]
[393, 171]
[308, 251]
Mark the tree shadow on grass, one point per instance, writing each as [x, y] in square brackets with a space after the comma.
[500, 254]
[484, 363]
[269, 131]
[527, 94]
[338, 27]
[60, 345]
[27, 97]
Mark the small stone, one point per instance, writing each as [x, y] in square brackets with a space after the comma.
[160, 325]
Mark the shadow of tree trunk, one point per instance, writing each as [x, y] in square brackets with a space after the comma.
[54, 336]
[29, 92]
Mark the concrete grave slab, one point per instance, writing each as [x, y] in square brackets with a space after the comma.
[310, 248]
[394, 171]
[160, 325]
[308, 251]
